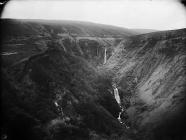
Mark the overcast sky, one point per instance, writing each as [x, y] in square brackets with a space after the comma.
[146, 14]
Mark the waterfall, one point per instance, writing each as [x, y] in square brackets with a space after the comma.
[56, 104]
[120, 120]
[59, 108]
[116, 95]
[105, 56]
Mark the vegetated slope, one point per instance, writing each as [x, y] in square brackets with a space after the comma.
[51, 90]
[57, 95]
[150, 71]
[143, 31]
[76, 28]
[24, 38]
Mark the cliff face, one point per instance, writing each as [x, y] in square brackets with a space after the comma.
[24, 38]
[57, 80]
[51, 87]
[150, 69]
[63, 96]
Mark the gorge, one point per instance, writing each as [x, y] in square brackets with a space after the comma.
[80, 80]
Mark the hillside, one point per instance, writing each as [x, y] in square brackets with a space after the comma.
[24, 38]
[51, 88]
[143, 31]
[150, 71]
[59, 81]
[24, 27]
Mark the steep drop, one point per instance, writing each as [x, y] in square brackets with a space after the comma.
[150, 70]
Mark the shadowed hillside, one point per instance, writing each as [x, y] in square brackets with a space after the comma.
[51, 78]
[24, 27]
[51, 86]
[24, 38]
[59, 80]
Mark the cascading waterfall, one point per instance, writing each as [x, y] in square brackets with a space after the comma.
[119, 118]
[59, 108]
[105, 56]
[117, 97]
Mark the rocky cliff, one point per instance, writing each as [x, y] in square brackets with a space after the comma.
[24, 38]
[58, 77]
[50, 82]
[150, 71]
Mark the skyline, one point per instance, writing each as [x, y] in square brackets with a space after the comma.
[158, 15]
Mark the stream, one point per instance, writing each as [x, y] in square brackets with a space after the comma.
[117, 98]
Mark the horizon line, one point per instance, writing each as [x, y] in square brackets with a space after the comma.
[91, 22]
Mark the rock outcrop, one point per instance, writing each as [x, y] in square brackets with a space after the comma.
[24, 38]
[150, 70]
[51, 85]
[57, 81]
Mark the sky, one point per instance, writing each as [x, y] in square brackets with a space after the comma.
[144, 14]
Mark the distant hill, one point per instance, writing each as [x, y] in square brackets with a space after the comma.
[23, 38]
[76, 28]
[143, 31]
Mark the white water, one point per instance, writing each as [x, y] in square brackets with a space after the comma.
[116, 95]
[56, 104]
[59, 108]
[105, 56]
[119, 118]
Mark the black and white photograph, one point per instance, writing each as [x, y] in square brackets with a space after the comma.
[93, 69]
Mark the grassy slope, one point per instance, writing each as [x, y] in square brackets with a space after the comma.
[39, 81]
[41, 73]
[150, 68]
[144, 31]
[29, 37]
[26, 27]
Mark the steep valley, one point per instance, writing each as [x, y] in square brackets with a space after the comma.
[58, 77]
[150, 68]
[30, 37]
[51, 85]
